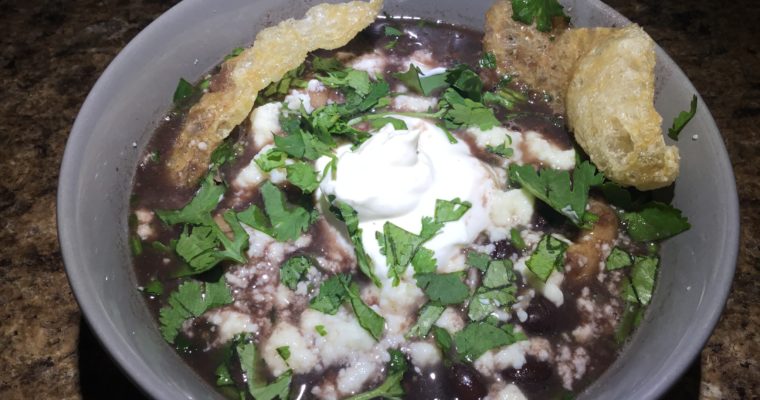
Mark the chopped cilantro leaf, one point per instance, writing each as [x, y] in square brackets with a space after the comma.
[347, 214]
[618, 259]
[443, 339]
[504, 97]
[503, 150]
[643, 276]
[294, 270]
[183, 92]
[488, 60]
[377, 123]
[479, 337]
[499, 274]
[429, 313]
[549, 255]
[424, 261]
[298, 143]
[284, 352]
[135, 244]
[450, 210]
[222, 372]
[486, 301]
[516, 239]
[466, 81]
[542, 11]
[303, 176]
[321, 330]
[191, 299]
[391, 31]
[478, 260]
[234, 53]
[400, 246]
[354, 79]
[430, 227]
[410, 78]
[291, 79]
[391, 388]
[554, 188]
[331, 295]
[197, 211]
[271, 159]
[460, 111]
[287, 221]
[655, 221]
[257, 387]
[200, 246]
[682, 119]
[371, 321]
[326, 64]
[254, 217]
[631, 317]
[222, 154]
[443, 288]
[154, 288]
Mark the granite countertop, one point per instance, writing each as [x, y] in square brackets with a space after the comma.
[53, 51]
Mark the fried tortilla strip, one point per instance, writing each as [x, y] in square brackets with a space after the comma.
[542, 60]
[275, 51]
[610, 107]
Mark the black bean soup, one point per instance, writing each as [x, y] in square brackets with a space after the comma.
[270, 335]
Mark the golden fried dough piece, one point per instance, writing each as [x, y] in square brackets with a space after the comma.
[610, 108]
[275, 51]
[542, 60]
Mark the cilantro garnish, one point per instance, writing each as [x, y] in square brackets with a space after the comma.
[554, 188]
[443, 339]
[291, 79]
[282, 221]
[257, 387]
[682, 119]
[478, 260]
[655, 221]
[486, 301]
[197, 211]
[154, 288]
[516, 239]
[347, 214]
[271, 159]
[618, 259]
[631, 318]
[284, 352]
[294, 270]
[424, 85]
[331, 295]
[503, 149]
[466, 82]
[393, 33]
[548, 256]
[460, 111]
[450, 210]
[182, 94]
[488, 60]
[479, 337]
[135, 244]
[234, 53]
[321, 330]
[499, 274]
[443, 289]
[337, 289]
[303, 176]
[424, 261]
[504, 97]
[542, 11]
[191, 299]
[298, 143]
[429, 313]
[222, 154]
[348, 78]
[643, 276]
[390, 388]
[325, 64]
[377, 123]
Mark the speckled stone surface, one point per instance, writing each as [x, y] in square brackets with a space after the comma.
[51, 53]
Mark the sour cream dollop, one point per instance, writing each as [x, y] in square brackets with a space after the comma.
[397, 175]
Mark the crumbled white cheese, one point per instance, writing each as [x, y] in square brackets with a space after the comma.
[296, 98]
[144, 219]
[547, 153]
[265, 121]
[230, 323]
[424, 354]
[549, 289]
[412, 103]
[492, 362]
[499, 391]
[371, 63]
[303, 356]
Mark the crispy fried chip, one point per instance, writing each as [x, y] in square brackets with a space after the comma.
[604, 78]
[610, 107]
[541, 60]
[275, 51]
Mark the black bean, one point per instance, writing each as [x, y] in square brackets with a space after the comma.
[466, 383]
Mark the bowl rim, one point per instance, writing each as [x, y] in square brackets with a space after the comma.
[69, 175]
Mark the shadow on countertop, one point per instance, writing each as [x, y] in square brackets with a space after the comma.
[101, 378]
